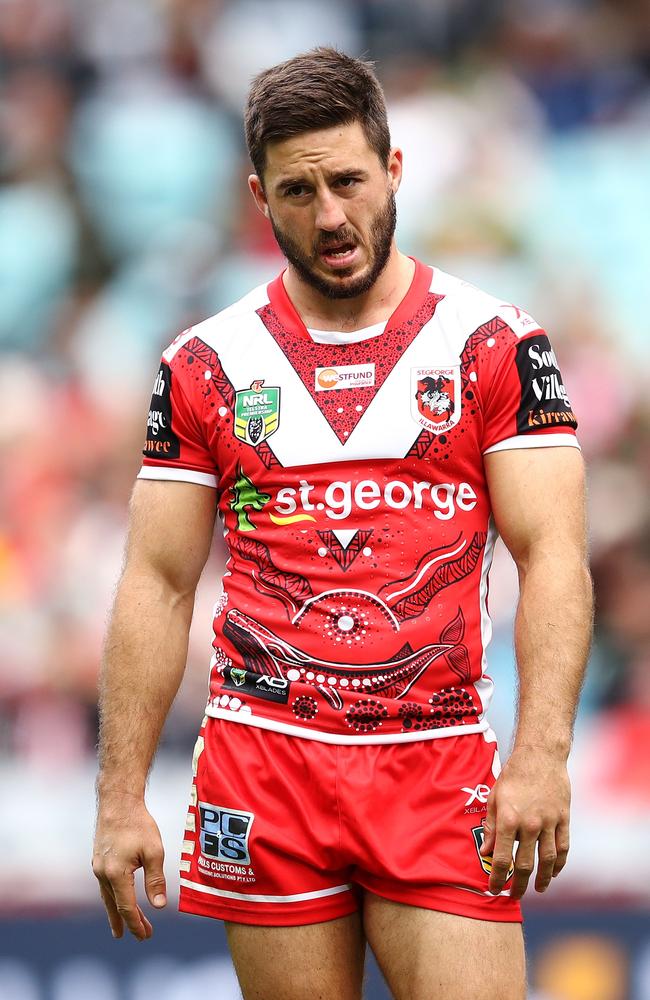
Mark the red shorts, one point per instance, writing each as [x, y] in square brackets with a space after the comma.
[283, 830]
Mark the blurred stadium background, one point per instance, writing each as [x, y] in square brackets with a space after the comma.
[124, 217]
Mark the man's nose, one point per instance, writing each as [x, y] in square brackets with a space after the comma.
[329, 213]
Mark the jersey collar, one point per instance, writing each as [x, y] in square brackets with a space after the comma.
[288, 315]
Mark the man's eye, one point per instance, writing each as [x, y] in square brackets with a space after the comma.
[347, 182]
[295, 191]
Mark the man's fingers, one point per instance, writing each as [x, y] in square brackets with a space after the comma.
[524, 864]
[115, 921]
[501, 859]
[547, 857]
[146, 923]
[154, 878]
[489, 827]
[561, 847]
[124, 892]
[489, 837]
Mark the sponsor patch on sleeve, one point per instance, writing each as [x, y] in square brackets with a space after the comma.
[544, 399]
[162, 442]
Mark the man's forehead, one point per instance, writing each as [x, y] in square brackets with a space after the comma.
[328, 148]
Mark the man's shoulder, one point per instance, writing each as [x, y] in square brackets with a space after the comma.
[473, 305]
[458, 288]
[226, 322]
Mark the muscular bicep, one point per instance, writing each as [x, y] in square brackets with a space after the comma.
[538, 501]
[170, 532]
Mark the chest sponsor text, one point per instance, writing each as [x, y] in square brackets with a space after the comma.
[342, 498]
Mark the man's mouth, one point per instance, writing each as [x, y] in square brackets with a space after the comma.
[339, 254]
[338, 248]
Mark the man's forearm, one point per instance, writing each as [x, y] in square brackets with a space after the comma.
[143, 664]
[552, 637]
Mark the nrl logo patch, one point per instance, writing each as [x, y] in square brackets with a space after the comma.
[257, 412]
[435, 397]
[486, 862]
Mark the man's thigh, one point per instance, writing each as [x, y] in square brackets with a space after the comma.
[430, 955]
[307, 962]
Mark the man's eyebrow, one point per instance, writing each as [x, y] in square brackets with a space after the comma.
[287, 182]
[349, 172]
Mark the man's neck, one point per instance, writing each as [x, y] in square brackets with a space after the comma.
[343, 315]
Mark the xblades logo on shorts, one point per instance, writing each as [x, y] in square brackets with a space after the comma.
[480, 794]
[476, 795]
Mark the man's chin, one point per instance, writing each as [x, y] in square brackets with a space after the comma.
[342, 283]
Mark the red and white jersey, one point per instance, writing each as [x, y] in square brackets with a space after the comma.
[353, 496]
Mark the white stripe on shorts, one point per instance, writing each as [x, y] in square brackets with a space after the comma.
[478, 892]
[249, 897]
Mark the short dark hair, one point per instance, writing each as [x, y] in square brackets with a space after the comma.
[317, 89]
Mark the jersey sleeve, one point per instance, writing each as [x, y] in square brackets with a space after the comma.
[526, 404]
[175, 447]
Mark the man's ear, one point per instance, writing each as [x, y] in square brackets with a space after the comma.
[395, 161]
[257, 190]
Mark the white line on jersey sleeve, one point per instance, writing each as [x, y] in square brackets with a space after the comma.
[177, 475]
[534, 441]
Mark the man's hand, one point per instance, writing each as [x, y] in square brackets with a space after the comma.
[529, 803]
[127, 838]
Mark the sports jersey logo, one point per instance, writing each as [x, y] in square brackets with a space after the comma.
[345, 377]
[326, 378]
[519, 321]
[257, 412]
[256, 684]
[435, 402]
[544, 399]
[246, 498]
[343, 498]
[161, 441]
[480, 794]
[225, 832]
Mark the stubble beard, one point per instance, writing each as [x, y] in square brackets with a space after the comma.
[381, 234]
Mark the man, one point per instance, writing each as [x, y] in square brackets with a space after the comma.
[363, 425]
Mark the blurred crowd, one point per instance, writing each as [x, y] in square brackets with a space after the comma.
[124, 218]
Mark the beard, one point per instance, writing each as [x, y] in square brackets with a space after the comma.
[382, 230]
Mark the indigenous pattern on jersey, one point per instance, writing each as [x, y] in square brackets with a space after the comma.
[352, 491]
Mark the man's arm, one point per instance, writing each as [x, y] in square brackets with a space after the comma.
[170, 531]
[537, 497]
